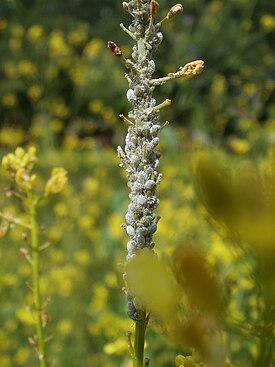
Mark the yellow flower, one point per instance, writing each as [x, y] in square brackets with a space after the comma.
[64, 326]
[26, 68]
[78, 73]
[79, 36]
[9, 100]
[239, 146]
[111, 279]
[20, 159]
[219, 85]
[95, 106]
[5, 361]
[267, 21]
[57, 182]
[93, 47]
[21, 356]
[100, 298]
[51, 72]
[24, 180]
[56, 125]
[82, 257]
[24, 315]
[35, 32]
[15, 43]
[10, 69]
[118, 347]
[60, 209]
[17, 30]
[60, 109]
[3, 24]
[34, 92]
[57, 44]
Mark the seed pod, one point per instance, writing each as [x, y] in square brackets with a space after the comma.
[174, 11]
[192, 68]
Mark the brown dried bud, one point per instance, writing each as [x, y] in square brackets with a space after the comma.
[125, 5]
[154, 5]
[115, 49]
[174, 11]
[192, 68]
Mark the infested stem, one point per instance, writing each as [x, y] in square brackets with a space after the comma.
[140, 156]
[266, 337]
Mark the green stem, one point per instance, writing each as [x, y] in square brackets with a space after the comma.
[36, 283]
[139, 341]
[266, 339]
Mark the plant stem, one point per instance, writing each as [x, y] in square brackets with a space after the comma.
[36, 283]
[139, 341]
[266, 339]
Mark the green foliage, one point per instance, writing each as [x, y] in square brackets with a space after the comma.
[55, 69]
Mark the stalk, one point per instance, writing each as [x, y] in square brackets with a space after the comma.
[41, 350]
[20, 165]
[140, 328]
[264, 358]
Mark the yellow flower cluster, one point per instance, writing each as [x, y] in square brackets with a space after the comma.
[20, 165]
[57, 182]
[21, 159]
[267, 21]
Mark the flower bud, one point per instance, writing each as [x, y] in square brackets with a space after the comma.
[57, 182]
[19, 152]
[24, 180]
[125, 6]
[20, 159]
[192, 68]
[174, 11]
[115, 49]
[154, 5]
[8, 162]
